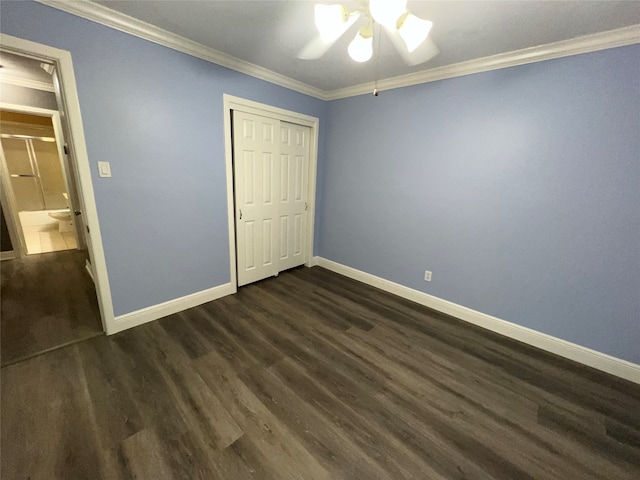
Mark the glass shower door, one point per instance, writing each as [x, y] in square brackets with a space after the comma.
[23, 174]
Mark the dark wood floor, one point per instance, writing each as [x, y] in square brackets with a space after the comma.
[314, 376]
[48, 300]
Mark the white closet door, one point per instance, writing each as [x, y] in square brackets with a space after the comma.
[256, 142]
[293, 193]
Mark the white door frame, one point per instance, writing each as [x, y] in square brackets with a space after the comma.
[8, 210]
[54, 115]
[241, 104]
[71, 105]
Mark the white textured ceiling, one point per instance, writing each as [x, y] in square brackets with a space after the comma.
[271, 33]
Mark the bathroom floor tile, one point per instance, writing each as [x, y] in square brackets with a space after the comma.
[46, 238]
[52, 242]
[32, 239]
[70, 240]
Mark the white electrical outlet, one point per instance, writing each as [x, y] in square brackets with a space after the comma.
[427, 276]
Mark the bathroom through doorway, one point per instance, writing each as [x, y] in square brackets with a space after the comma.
[37, 181]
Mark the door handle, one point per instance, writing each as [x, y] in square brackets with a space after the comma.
[77, 212]
[306, 206]
[240, 214]
[22, 175]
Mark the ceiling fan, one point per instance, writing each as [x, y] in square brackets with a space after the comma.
[408, 33]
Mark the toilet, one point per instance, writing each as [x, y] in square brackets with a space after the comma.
[64, 218]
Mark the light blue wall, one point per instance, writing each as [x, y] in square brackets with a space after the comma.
[156, 115]
[519, 188]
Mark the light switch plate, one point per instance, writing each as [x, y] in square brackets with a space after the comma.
[104, 169]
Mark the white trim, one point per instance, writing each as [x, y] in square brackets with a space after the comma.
[26, 82]
[149, 314]
[228, 165]
[62, 59]
[69, 181]
[44, 112]
[10, 206]
[248, 106]
[124, 23]
[119, 21]
[592, 358]
[575, 46]
[89, 270]
[7, 255]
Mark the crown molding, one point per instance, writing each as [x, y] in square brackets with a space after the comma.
[119, 21]
[575, 46]
[124, 23]
[26, 82]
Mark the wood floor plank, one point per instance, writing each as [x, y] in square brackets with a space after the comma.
[387, 451]
[145, 384]
[283, 455]
[186, 458]
[312, 375]
[204, 413]
[117, 416]
[53, 437]
[145, 457]
[231, 315]
[518, 411]
[443, 407]
[47, 301]
[339, 455]
[244, 459]
[177, 326]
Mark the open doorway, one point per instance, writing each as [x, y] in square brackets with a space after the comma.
[49, 297]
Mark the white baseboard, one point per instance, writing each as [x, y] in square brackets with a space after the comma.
[89, 270]
[592, 358]
[8, 255]
[145, 315]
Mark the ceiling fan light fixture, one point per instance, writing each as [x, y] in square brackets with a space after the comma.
[387, 12]
[361, 47]
[330, 20]
[413, 30]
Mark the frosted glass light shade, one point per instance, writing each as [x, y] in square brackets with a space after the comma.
[387, 12]
[361, 48]
[413, 30]
[330, 20]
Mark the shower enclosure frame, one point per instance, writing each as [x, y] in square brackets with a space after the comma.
[8, 193]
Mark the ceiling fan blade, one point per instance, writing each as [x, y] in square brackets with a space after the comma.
[318, 47]
[425, 52]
